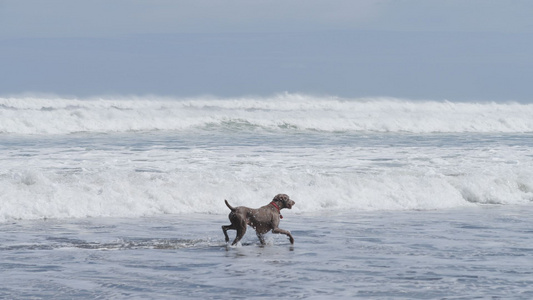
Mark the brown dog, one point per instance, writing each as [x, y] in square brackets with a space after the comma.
[263, 219]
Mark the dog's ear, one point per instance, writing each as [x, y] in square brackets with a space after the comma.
[277, 197]
[281, 197]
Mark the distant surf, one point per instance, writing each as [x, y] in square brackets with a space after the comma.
[292, 112]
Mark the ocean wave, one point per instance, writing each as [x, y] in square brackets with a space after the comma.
[38, 115]
[38, 194]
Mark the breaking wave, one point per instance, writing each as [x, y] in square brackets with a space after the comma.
[38, 194]
[247, 153]
[32, 115]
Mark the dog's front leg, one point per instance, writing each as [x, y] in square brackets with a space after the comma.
[283, 231]
[261, 238]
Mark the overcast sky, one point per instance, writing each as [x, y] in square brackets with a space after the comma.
[421, 49]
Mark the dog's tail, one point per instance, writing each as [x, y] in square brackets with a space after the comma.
[229, 206]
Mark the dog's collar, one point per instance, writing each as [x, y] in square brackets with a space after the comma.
[277, 207]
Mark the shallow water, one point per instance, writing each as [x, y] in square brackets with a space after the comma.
[483, 252]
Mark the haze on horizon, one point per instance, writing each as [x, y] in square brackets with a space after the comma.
[456, 50]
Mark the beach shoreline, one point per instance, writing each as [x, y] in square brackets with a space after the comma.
[458, 253]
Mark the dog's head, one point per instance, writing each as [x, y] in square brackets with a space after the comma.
[283, 201]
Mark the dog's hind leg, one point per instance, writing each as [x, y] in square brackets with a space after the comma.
[225, 230]
[241, 230]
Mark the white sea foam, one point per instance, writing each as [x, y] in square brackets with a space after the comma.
[149, 156]
[33, 115]
[70, 181]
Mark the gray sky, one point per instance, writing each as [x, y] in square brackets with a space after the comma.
[421, 49]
